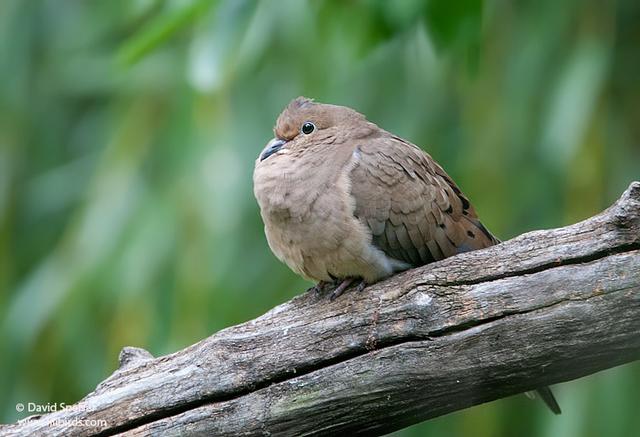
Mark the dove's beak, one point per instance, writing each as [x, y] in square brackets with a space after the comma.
[273, 146]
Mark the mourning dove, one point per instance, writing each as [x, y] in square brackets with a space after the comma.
[342, 199]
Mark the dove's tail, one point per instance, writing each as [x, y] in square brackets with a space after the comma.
[547, 396]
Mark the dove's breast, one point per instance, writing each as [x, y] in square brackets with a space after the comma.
[308, 213]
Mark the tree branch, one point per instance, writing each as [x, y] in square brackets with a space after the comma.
[545, 307]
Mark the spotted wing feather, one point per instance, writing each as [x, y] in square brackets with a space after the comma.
[414, 210]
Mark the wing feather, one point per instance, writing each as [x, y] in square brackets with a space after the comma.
[415, 212]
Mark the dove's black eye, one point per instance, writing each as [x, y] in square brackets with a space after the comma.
[308, 127]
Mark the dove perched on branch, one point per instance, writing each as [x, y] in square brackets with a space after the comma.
[344, 200]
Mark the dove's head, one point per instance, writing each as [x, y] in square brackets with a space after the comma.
[305, 123]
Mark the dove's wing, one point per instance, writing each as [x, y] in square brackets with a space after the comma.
[415, 211]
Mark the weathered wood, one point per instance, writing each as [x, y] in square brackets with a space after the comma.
[542, 308]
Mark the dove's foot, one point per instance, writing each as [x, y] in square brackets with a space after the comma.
[318, 288]
[361, 286]
[341, 288]
[344, 285]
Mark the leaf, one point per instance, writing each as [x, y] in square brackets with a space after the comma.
[160, 30]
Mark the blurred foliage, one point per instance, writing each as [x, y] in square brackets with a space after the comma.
[128, 132]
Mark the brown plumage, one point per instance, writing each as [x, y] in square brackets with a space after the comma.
[351, 200]
[343, 199]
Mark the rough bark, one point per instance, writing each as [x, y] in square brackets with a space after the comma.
[545, 307]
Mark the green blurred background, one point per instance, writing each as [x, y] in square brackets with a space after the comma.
[129, 129]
